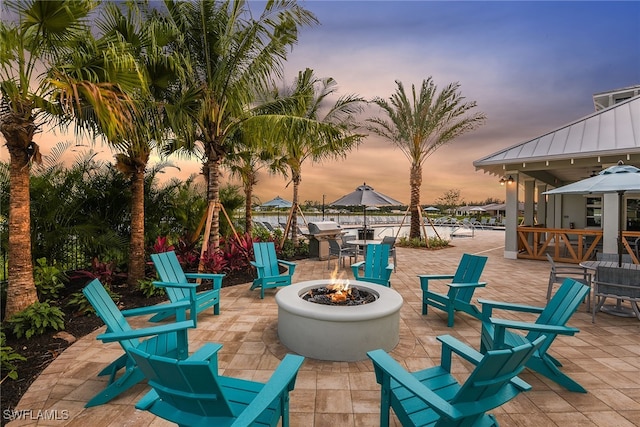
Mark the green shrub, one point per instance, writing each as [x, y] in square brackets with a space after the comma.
[149, 289]
[434, 242]
[49, 279]
[36, 319]
[80, 304]
[7, 358]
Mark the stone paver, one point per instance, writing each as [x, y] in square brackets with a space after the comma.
[604, 357]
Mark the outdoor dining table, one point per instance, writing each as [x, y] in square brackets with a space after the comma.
[615, 309]
[361, 245]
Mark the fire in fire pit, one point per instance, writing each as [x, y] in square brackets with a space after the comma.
[339, 294]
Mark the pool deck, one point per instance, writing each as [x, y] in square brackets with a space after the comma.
[604, 357]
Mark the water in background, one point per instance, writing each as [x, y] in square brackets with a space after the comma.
[382, 225]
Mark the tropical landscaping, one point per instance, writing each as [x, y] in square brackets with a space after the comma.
[201, 80]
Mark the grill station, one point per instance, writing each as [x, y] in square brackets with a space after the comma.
[319, 235]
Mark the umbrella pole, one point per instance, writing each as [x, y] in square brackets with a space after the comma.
[620, 223]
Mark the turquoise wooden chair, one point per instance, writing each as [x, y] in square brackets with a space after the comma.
[551, 321]
[376, 267]
[463, 284]
[267, 266]
[166, 340]
[433, 396]
[191, 392]
[179, 288]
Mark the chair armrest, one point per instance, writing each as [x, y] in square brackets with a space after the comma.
[290, 265]
[515, 324]
[357, 265]
[174, 306]
[175, 285]
[436, 276]
[210, 276]
[205, 352]
[489, 305]
[216, 278]
[287, 263]
[424, 279]
[386, 366]
[468, 285]
[450, 344]
[146, 332]
[281, 383]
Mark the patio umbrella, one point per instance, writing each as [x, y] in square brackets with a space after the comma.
[432, 209]
[615, 179]
[365, 196]
[277, 202]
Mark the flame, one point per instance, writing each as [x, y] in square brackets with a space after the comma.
[339, 286]
[337, 282]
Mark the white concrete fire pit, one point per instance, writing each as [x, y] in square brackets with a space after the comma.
[340, 333]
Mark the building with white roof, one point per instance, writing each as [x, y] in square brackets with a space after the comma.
[568, 154]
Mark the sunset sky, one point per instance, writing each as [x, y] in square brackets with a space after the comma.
[530, 66]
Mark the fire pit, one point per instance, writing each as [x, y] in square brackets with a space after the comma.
[339, 330]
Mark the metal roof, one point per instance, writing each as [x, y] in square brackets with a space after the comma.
[576, 150]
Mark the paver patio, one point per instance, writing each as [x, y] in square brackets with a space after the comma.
[604, 357]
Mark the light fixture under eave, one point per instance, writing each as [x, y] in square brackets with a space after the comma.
[504, 180]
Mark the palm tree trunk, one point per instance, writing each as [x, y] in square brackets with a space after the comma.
[294, 218]
[213, 195]
[248, 217]
[415, 182]
[21, 292]
[136, 244]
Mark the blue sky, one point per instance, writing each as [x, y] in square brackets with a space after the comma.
[530, 66]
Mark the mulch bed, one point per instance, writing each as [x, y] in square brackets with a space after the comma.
[41, 350]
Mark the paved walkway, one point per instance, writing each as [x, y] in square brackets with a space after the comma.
[604, 357]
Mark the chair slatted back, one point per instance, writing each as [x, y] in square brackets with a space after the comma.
[469, 271]
[377, 260]
[192, 386]
[489, 386]
[107, 310]
[628, 281]
[170, 270]
[265, 255]
[560, 308]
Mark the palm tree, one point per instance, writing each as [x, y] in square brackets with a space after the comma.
[145, 34]
[233, 52]
[314, 130]
[36, 91]
[245, 164]
[421, 125]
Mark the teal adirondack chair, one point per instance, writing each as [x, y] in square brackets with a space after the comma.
[178, 287]
[376, 267]
[463, 284]
[267, 265]
[551, 321]
[165, 340]
[433, 397]
[191, 392]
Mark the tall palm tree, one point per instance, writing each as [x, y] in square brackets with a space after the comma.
[36, 91]
[323, 131]
[145, 34]
[233, 52]
[246, 164]
[421, 125]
